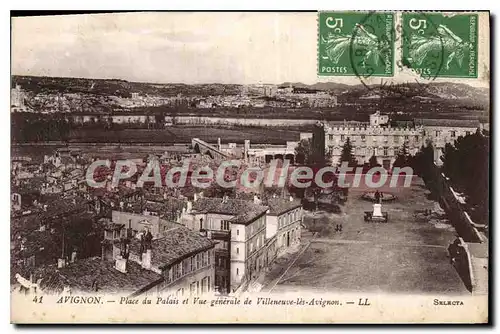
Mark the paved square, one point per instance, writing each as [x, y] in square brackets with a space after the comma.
[406, 255]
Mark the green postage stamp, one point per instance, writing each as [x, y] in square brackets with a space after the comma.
[356, 44]
[363, 44]
[440, 45]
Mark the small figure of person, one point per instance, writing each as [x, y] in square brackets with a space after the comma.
[378, 197]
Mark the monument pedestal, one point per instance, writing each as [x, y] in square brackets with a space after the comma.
[377, 211]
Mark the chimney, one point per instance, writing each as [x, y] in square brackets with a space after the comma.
[103, 252]
[73, 256]
[61, 263]
[256, 199]
[121, 264]
[146, 259]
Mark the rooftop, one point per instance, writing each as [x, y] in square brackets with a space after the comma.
[178, 243]
[278, 206]
[83, 273]
[244, 211]
[466, 123]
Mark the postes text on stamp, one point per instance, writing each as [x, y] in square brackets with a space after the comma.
[440, 45]
[355, 44]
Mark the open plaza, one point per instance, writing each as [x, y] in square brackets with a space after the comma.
[408, 254]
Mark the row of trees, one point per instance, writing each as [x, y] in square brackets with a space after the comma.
[467, 165]
[35, 129]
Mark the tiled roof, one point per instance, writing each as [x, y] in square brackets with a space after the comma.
[278, 206]
[83, 273]
[466, 123]
[177, 243]
[244, 211]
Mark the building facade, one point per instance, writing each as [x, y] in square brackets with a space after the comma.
[284, 222]
[378, 138]
[239, 228]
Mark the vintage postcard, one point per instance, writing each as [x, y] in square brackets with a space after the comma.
[250, 167]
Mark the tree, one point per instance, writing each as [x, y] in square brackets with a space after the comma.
[423, 162]
[450, 167]
[467, 165]
[373, 162]
[403, 157]
[303, 151]
[346, 154]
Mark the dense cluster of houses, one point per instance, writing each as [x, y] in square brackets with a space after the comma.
[68, 237]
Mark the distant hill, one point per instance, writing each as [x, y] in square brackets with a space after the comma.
[119, 87]
[461, 93]
[434, 94]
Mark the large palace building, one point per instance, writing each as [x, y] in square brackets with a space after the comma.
[384, 140]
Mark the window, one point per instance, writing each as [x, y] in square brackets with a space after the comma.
[386, 151]
[363, 137]
[178, 270]
[237, 250]
[386, 138]
[237, 231]
[416, 138]
[170, 277]
[342, 137]
[330, 137]
[438, 133]
[204, 284]
[186, 266]
[198, 261]
[193, 264]
[406, 137]
[224, 225]
[251, 247]
[396, 139]
[237, 271]
[209, 261]
[467, 133]
[204, 259]
[453, 134]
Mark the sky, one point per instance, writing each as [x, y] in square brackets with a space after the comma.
[231, 47]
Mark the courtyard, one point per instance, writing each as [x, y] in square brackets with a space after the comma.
[406, 255]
